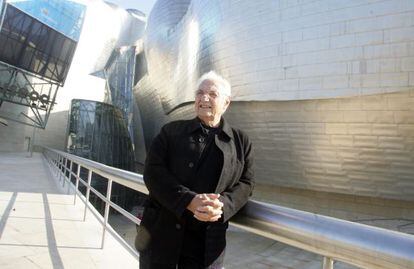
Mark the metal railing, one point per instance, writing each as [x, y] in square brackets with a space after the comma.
[62, 163]
[336, 240]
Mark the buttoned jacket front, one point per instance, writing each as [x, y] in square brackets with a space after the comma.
[169, 170]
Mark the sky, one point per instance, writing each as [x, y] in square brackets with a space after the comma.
[142, 5]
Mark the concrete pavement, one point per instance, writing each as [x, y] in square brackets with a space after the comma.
[40, 227]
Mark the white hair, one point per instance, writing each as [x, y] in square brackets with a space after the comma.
[223, 85]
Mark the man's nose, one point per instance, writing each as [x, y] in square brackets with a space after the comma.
[205, 97]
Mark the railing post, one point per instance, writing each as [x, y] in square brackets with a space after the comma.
[53, 159]
[54, 162]
[77, 183]
[65, 169]
[60, 168]
[107, 207]
[70, 175]
[328, 263]
[88, 190]
[57, 164]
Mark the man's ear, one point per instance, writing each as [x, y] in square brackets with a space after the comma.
[226, 103]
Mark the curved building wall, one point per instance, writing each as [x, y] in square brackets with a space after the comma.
[124, 29]
[324, 89]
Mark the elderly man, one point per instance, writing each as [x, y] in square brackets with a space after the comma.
[199, 174]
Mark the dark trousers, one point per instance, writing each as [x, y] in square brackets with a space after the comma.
[192, 255]
[183, 263]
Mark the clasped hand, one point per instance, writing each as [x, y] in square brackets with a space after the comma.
[206, 207]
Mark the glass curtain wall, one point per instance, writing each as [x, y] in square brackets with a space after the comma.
[97, 131]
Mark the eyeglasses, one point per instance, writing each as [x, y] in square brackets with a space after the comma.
[211, 94]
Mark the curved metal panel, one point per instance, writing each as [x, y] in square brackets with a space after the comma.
[324, 91]
[124, 29]
[273, 50]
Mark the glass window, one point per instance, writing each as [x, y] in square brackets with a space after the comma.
[32, 46]
[63, 15]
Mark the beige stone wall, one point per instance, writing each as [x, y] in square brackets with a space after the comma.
[15, 137]
[54, 136]
[12, 138]
[360, 145]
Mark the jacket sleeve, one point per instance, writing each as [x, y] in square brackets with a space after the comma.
[161, 183]
[236, 196]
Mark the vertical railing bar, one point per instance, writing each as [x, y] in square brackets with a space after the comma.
[88, 190]
[70, 175]
[328, 263]
[60, 168]
[57, 165]
[65, 169]
[77, 183]
[54, 161]
[107, 207]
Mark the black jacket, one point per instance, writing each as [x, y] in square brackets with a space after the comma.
[168, 171]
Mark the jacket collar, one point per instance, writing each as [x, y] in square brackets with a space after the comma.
[224, 125]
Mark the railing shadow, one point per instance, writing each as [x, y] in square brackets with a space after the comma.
[6, 213]
[51, 239]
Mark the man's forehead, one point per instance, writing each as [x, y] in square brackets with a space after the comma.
[208, 85]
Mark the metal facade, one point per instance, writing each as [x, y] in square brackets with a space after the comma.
[323, 88]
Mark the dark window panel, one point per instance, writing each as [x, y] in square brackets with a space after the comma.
[28, 44]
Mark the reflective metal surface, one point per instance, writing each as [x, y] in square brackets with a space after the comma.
[124, 29]
[325, 90]
[119, 75]
[352, 243]
[116, 63]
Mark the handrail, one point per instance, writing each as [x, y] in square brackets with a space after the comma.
[353, 243]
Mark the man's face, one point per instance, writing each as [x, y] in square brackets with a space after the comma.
[210, 104]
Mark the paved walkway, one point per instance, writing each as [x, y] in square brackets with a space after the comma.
[41, 228]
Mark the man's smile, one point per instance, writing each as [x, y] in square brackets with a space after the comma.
[204, 106]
